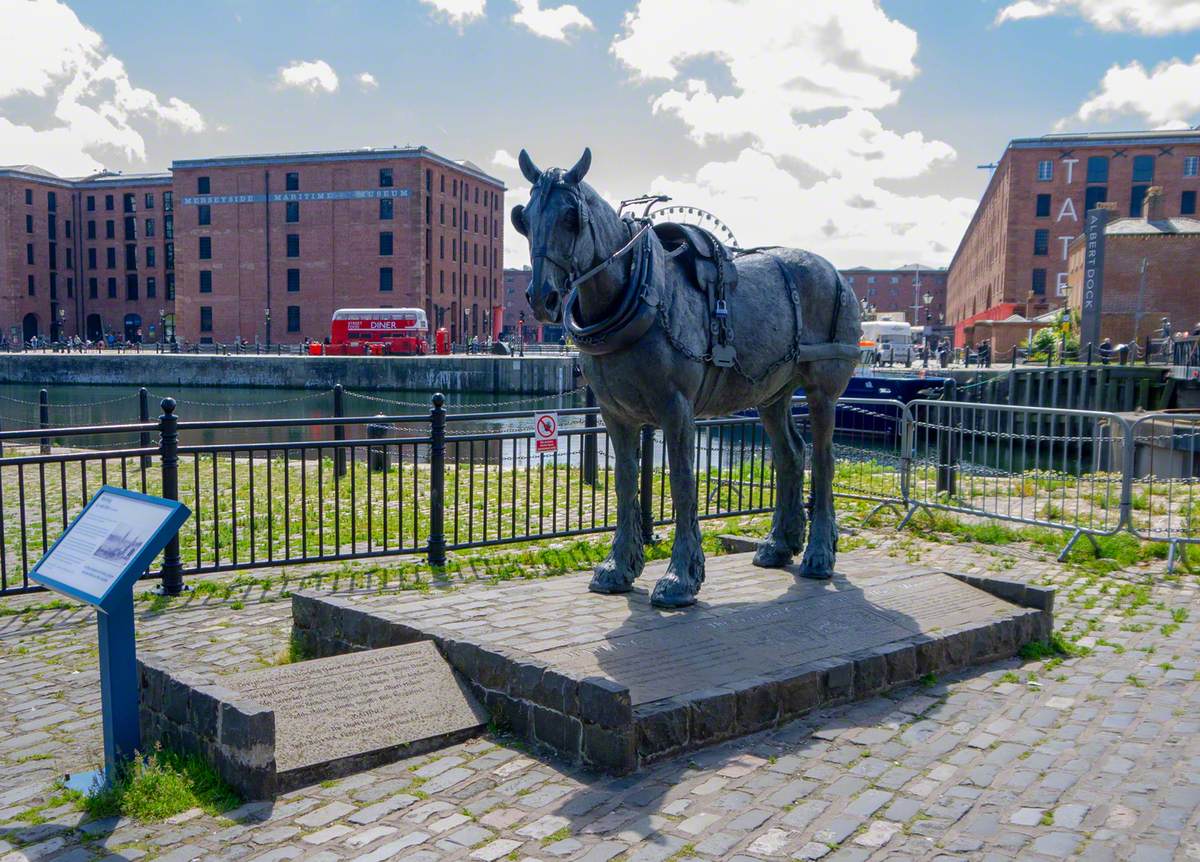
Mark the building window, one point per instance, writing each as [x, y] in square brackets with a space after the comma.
[441, 248]
[169, 248]
[112, 288]
[1043, 206]
[29, 253]
[1038, 283]
[1097, 169]
[151, 257]
[51, 201]
[131, 286]
[28, 224]
[206, 281]
[28, 197]
[293, 318]
[168, 227]
[31, 286]
[67, 228]
[205, 248]
[428, 180]
[170, 286]
[151, 288]
[1191, 166]
[293, 212]
[1187, 203]
[1041, 242]
[1045, 170]
[293, 245]
[204, 214]
[203, 186]
[131, 256]
[149, 202]
[870, 279]
[127, 202]
[385, 243]
[292, 182]
[386, 208]
[385, 178]
[168, 202]
[385, 278]
[108, 203]
[293, 281]
[130, 225]
[91, 258]
[206, 318]
[110, 258]
[149, 228]
[93, 288]
[91, 203]
[1137, 194]
[1143, 169]
[110, 229]
[91, 229]
[1094, 195]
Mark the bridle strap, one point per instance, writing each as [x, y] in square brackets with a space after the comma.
[612, 258]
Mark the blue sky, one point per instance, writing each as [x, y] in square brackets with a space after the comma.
[852, 128]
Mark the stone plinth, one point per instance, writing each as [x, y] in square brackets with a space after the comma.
[613, 683]
[272, 730]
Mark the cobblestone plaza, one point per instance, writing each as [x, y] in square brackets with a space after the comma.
[1092, 757]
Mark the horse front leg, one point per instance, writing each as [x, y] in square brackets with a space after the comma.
[617, 572]
[821, 553]
[679, 586]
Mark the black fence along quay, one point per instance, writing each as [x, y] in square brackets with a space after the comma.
[277, 492]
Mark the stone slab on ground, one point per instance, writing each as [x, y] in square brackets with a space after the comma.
[275, 729]
[614, 683]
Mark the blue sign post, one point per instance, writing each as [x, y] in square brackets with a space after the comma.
[96, 560]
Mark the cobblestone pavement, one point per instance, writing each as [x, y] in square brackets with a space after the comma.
[1094, 757]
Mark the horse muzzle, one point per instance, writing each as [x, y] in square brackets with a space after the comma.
[546, 303]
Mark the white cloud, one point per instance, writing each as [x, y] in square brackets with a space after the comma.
[505, 159]
[312, 75]
[849, 220]
[516, 247]
[1152, 17]
[842, 61]
[550, 23]
[366, 81]
[49, 54]
[1167, 97]
[458, 12]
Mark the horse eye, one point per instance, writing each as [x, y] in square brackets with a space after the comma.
[571, 220]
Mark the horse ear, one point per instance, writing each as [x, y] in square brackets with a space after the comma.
[517, 216]
[528, 168]
[577, 173]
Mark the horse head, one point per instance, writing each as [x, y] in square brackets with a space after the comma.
[555, 221]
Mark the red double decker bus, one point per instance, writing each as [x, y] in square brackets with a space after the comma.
[396, 331]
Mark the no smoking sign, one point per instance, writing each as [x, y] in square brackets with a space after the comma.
[545, 432]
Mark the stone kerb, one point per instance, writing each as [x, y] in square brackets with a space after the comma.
[193, 715]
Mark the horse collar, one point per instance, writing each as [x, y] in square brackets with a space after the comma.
[635, 311]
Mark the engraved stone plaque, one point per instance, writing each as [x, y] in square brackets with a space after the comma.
[350, 706]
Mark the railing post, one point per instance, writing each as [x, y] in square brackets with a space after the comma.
[143, 418]
[168, 454]
[947, 475]
[589, 439]
[1148, 344]
[339, 431]
[436, 549]
[377, 458]
[1014, 356]
[1089, 353]
[44, 418]
[646, 493]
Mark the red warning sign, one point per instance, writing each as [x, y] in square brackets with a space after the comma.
[545, 432]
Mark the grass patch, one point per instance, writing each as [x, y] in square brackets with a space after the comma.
[1054, 647]
[162, 785]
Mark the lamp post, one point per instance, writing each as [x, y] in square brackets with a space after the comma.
[267, 318]
[62, 317]
[928, 297]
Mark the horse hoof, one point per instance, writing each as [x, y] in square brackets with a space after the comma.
[771, 555]
[607, 581]
[670, 592]
[815, 575]
[817, 567]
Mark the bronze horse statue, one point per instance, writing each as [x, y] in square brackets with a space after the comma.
[667, 337]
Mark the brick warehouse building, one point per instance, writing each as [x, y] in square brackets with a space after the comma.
[892, 290]
[1013, 258]
[261, 248]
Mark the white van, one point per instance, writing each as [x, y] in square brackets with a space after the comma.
[891, 340]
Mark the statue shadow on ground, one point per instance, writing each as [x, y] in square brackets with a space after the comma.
[722, 641]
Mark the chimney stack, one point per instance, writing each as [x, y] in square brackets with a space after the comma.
[1152, 205]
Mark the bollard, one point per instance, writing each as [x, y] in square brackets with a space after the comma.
[589, 440]
[1148, 348]
[436, 549]
[339, 431]
[1123, 354]
[1089, 353]
[44, 418]
[1014, 356]
[646, 494]
[377, 456]
[144, 417]
[947, 475]
[168, 454]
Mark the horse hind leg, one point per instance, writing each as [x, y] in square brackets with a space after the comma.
[821, 552]
[617, 572]
[787, 525]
